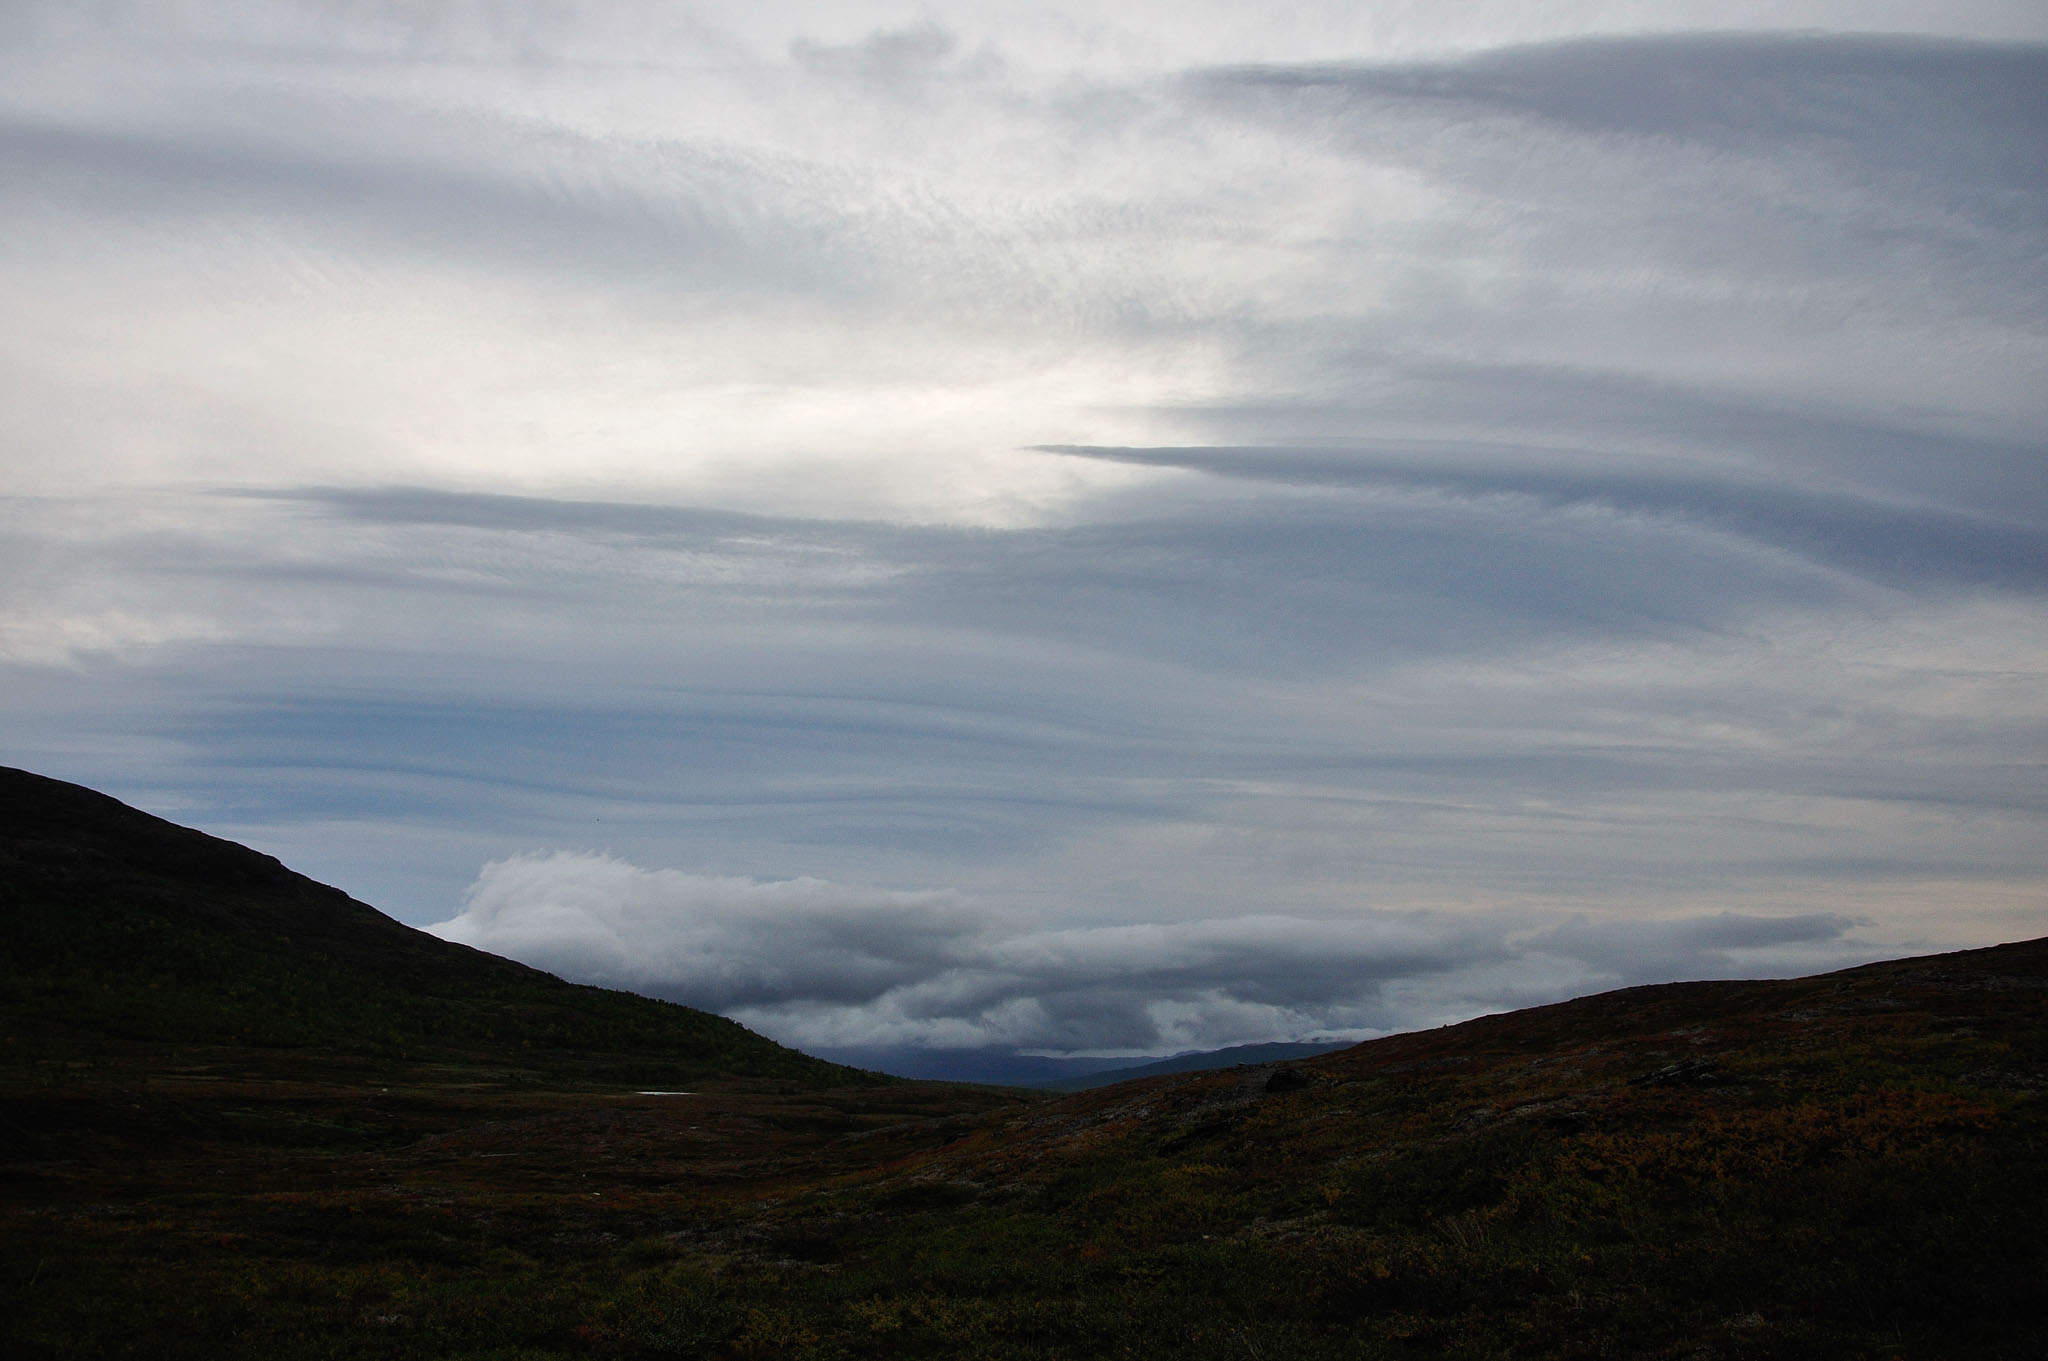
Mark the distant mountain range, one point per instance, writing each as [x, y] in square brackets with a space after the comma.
[1200, 1062]
[998, 1067]
[1047, 1073]
[1007, 1068]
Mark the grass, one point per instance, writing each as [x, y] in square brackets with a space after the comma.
[1860, 1179]
[243, 1116]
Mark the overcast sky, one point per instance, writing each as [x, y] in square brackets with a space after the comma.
[1046, 526]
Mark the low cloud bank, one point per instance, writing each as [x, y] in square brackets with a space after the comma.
[835, 966]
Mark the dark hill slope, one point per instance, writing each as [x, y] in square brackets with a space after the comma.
[1852, 1166]
[1849, 1165]
[123, 935]
[1975, 1021]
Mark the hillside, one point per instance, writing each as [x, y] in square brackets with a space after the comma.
[1848, 1165]
[124, 936]
[208, 1148]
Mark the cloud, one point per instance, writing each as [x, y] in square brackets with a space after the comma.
[1886, 97]
[1558, 423]
[1879, 537]
[895, 62]
[732, 942]
[1800, 216]
[1269, 695]
[1600, 476]
[835, 966]
[1724, 944]
[537, 254]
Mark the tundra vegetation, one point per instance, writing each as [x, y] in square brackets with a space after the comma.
[247, 1117]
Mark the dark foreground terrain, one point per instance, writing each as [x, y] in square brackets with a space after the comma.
[201, 1160]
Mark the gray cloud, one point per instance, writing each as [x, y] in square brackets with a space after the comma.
[1276, 582]
[1900, 544]
[1904, 119]
[734, 943]
[897, 62]
[1520, 690]
[1650, 952]
[838, 967]
[676, 217]
[1889, 97]
[1597, 478]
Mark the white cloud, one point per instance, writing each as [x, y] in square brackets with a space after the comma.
[542, 268]
[734, 942]
[1596, 477]
[834, 966]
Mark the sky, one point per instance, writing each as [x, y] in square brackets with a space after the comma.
[1035, 528]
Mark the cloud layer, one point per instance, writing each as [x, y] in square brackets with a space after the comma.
[831, 967]
[1481, 501]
